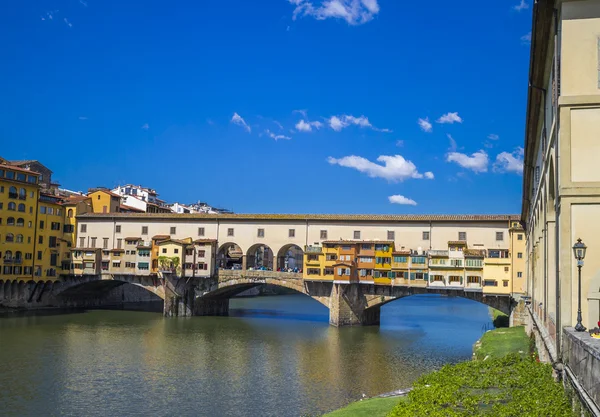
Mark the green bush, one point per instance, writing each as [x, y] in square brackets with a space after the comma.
[503, 387]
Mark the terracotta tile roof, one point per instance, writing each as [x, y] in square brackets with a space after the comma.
[107, 192]
[74, 199]
[457, 242]
[117, 250]
[304, 217]
[205, 241]
[133, 238]
[376, 242]
[16, 168]
[401, 252]
[161, 237]
[129, 208]
[343, 264]
[177, 241]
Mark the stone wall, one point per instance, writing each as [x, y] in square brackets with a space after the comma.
[581, 359]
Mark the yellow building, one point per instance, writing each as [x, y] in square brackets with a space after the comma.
[496, 272]
[105, 201]
[518, 248]
[174, 254]
[50, 247]
[383, 262]
[19, 193]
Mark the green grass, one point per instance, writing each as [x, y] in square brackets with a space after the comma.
[505, 387]
[501, 342]
[374, 407]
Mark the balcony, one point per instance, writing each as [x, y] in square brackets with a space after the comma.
[16, 261]
[13, 195]
[438, 253]
[313, 249]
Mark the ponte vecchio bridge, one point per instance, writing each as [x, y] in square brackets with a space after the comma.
[351, 264]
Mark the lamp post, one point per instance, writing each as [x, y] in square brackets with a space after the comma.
[579, 249]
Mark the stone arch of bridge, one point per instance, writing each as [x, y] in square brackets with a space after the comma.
[377, 298]
[289, 257]
[94, 288]
[260, 255]
[230, 254]
[229, 287]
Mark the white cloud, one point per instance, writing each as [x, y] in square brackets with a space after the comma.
[84, 3]
[425, 125]
[399, 143]
[450, 118]
[276, 137]
[509, 162]
[394, 168]
[340, 122]
[145, 126]
[69, 24]
[354, 12]
[400, 199]
[523, 5]
[279, 125]
[49, 15]
[82, 118]
[307, 126]
[526, 39]
[477, 162]
[302, 112]
[239, 120]
[453, 145]
[493, 136]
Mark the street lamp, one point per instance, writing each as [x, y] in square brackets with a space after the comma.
[579, 249]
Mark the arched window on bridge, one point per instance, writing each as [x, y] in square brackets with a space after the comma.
[230, 256]
[290, 258]
[259, 256]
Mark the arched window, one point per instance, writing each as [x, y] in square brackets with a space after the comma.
[8, 255]
[22, 193]
[12, 192]
[18, 256]
[10, 221]
[70, 213]
[21, 208]
[10, 237]
[12, 206]
[20, 222]
[19, 239]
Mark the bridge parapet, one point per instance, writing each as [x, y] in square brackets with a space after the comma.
[228, 274]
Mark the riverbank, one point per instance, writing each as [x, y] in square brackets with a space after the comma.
[504, 377]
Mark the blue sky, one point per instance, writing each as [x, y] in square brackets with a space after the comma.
[298, 106]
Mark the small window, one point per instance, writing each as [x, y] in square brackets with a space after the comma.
[144, 230]
[39, 255]
[520, 236]
[40, 239]
[81, 242]
[425, 235]
[173, 230]
[323, 234]
[499, 235]
[519, 275]
[292, 233]
[164, 250]
[118, 228]
[119, 243]
[93, 242]
[83, 228]
[175, 250]
[201, 231]
[261, 233]
[357, 234]
[41, 224]
[506, 269]
[391, 235]
[505, 283]
[462, 235]
[520, 255]
[230, 231]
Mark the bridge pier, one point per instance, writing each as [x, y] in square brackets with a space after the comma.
[348, 307]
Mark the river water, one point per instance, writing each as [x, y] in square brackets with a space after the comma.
[274, 356]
